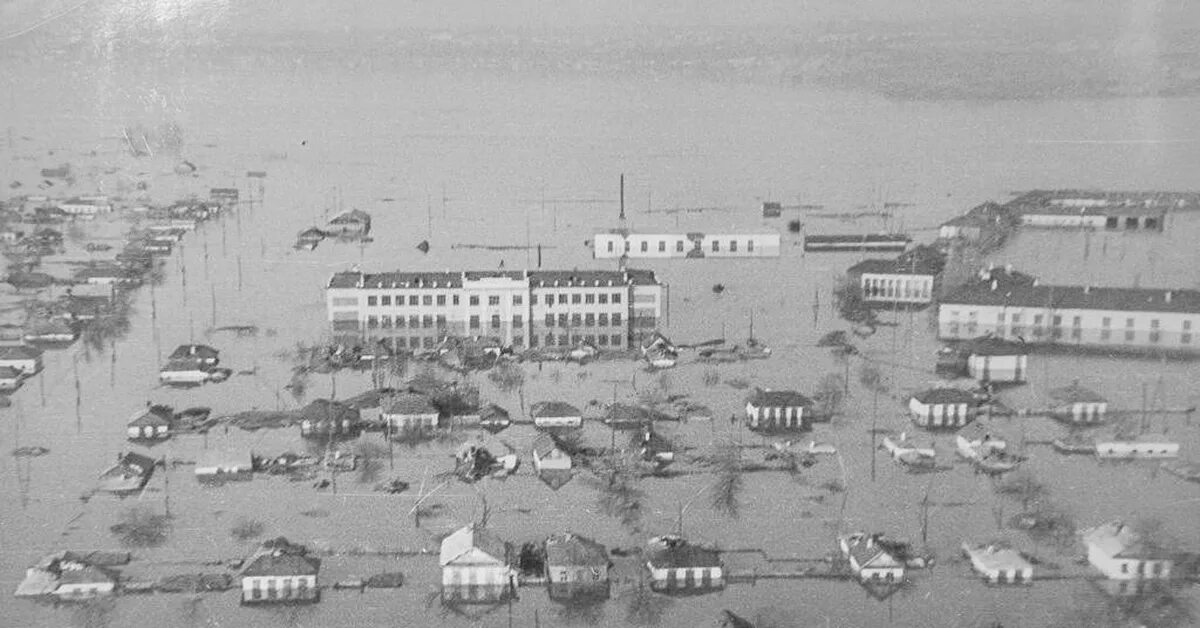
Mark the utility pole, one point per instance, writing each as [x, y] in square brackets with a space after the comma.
[874, 422]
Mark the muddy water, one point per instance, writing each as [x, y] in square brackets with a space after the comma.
[510, 158]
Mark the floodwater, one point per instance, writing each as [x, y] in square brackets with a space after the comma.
[506, 157]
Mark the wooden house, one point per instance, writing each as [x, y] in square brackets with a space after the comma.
[556, 414]
[1076, 404]
[410, 411]
[130, 474]
[23, 358]
[354, 223]
[476, 566]
[942, 407]
[547, 456]
[677, 565]
[280, 575]
[323, 418]
[869, 559]
[779, 409]
[153, 423]
[205, 354]
[1120, 553]
[576, 566]
[998, 564]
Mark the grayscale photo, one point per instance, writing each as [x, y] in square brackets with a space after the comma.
[600, 313]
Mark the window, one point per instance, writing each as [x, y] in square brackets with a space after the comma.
[562, 320]
[733, 246]
[441, 299]
[385, 322]
[1016, 319]
[414, 321]
[474, 322]
[1105, 334]
[427, 321]
[589, 320]
[533, 340]
[518, 340]
[616, 319]
[1076, 333]
[495, 321]
[385, 299]
[494, 299]
[441, 321]
[427, 299]
[603, 320]
[399, 321]
[590, 339]
[679, 246]
[610, 246]
[576, 319]
[372, 301]
[589, 298]
[1124, 567]
[1076, 321]
[1057, 320]
[645, 246]
[1129, 335]
[616, 340]
[518, 320]
[563, 340]
[749, 246]
[627, 246]
[616, 298]
[454, 299]
[716, 246]
[603, 298]
[1186, 336]
[576, 298]
[1106, 322]
[549, 339]
[1129, 322]
[427, 342]
[412, 299]
[549, 320]
[1154, 324]
[533, 299]
[1000, 318]
[562, 299]
[662, 246]
[518, 299]
[414, 342]
[603, 340]
[372, 322]
[473, 300]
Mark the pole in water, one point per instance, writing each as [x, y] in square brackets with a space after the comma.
[213, 293]
[239, 264]
[622, 196]
[539, 255]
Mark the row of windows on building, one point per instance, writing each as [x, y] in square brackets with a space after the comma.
[473, 322]
[679, 246]
[1038, 329]
[895, 288]
[412, 300]
[564, 340]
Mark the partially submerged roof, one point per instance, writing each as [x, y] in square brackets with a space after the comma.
[1075, 394]
[574, 550]
[152, 417]
[8, 372]
[535, 278]
[203, 352]
[944, 396]
[281, 564]
[998, 287]
[543, 445]
[922, 260]
[352, 216]
[765, 398]
[992, 346]
[673, 552]
[19, 352]
[1119, 540]
[867, 551]
[979, 431]
[410, 404]
[995, 557]
[184, 364]
[554, 409]
[473, 545]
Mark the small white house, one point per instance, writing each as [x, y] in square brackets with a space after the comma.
[977, 440]
[1118, 552]
[999, 564]
[410, 411]
[677, 565]
[280, 576]
[153, 423]
[778, 409]
[221, 466]
[869, 560]
[1147, 446]
[24, 358]
[185, 371]
[547, 456]
[942, 407]
[1076, 404]
[997, 361]
[556, 414]
[476, 566]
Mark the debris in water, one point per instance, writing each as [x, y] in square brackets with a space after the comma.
[423, 246]
[30, 452]
[718, 288]
[794, 226]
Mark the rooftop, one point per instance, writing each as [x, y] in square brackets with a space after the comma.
[1118, 539]
[153, 416]
[993, 557]
[543, 445]
[944, 396]
[468, 538]
[554, 409]
[410, 403]
[1092, 202]
[1004, 288]
[278, 563]
[203, 352]
[575, 550]
[673, 552]
[1075, 394]
[447, 279]
[866, 550]
[19, 352]
[779, 399]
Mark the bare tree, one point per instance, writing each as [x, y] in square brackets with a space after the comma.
[620, 496]
[726, 494]
[1023, 487]
[831, 394]
[140, 527]
[509, 377]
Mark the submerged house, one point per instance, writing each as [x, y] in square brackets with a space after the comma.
[205, 354]
[352, 224]
[1120, 553]
[218, 467]
[323, 418]
[978, 440]
[187, 371]
[677, 565]
[73, 576]
[576, 566]
[410, 411]
[942, 407]
[999, 361]
[869, 559]
[999, 564]
[10, 378]
[280, 572]
[476, 566]
[153, 423]
[130, 474]
[1076, 404]
[547, 456]
[1139, 447]
[779, 409]
[556, 414]
[23, 358]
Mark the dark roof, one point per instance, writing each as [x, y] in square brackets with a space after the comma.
[282, 564]
[554, 409]
[779, 399]
[998, 287]
[672, 552]
[323, 410]
[537, 278]
[543, 445]
[88, 574]
[990, 345]
[864, 549]
[19, 352]
[1115, 202]
[410, 403]
[944, 396]
[1075, 394]
[8, 372]
[186, 364]
[574, 550]
[493, 412]
[135, 459]
[352, 216]
[152, 417]
[199, 351]
[857, 238]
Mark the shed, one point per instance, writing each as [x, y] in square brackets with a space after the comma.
[675, 564]
[786, 409]
[576, 566]
[477, 566]
[994, 360]
[1076, 404]
[942, 407]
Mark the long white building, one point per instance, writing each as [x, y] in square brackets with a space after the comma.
[523, 309]
[616, 243]
[1012, 305]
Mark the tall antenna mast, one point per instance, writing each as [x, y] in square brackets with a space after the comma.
[622, 196]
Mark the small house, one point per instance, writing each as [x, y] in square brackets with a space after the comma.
[79, 581]
[10, 378]
[1076, 404]
[869, 559]
[1140, 447]
[104, 275]
[354, 223]
[205, 354]
[677, 565]
[309, 238]
[997, 361]
[576, 566]
[218, 467]
[999, 564]
[1120, 553]
[779, 409]
[281, 574]
[23, 358]
[977, 440]
[323, 418]
[410, 411]
[494, 418]
[153, 423]
[476, 566]
[73, 576]
[942, 407]
[53, 331]
[184, 371]
[130, 474]
[556, 414]
[547, 456]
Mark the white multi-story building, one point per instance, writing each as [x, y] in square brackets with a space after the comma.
[522, 309]
[1011, 305]
[619, 243]
[910, 279]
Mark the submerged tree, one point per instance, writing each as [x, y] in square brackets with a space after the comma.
[140, 527]
[727, 488]
[830, 395]
[102, 332]
[644, 607]
[1023, 487]
[509, 377]
[370, 461]
[620, 496]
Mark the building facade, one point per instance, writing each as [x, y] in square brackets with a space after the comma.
[677, 565]
[523, 309]
[1010, 305]
[1118, 552]
[1085, 209]
[280, 577]
[910, 279]
[615, 244]
[476, 566]
[576, 566]
[942, 407]
[779, 409]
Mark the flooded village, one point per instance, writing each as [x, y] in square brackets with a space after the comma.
[495, 369]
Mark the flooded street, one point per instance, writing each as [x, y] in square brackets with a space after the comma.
[510, 157]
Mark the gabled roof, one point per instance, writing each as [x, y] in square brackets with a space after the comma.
[132, 459]
[1075, 394]
[8, 372]
[409, 404]
[543, 445]
[185, 364]
[980, 430]
[992, 346]
[996, 557]
[568, 549]
[673, 552]
[493, 412]
[1119, 540]
[282, 564]
[470, 538]
[764, 398]
[152, 417]
[554, 409]
[352, 216]
[868, 552]
[944, 396]
[1014, 289]
[922, 260]
[204, 352]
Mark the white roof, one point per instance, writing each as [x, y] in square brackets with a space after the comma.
[996, 558]
[469, 545]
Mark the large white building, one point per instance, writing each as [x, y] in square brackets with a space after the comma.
[910, 279]
[1006, 304]
[1086, 209]
[522, 309]
[617, 243]
[1120, 553]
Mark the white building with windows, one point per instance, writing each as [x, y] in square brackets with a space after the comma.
[1014, 306]
[1119, 553]
[910, 279]
[524, 309]
[617, 243]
